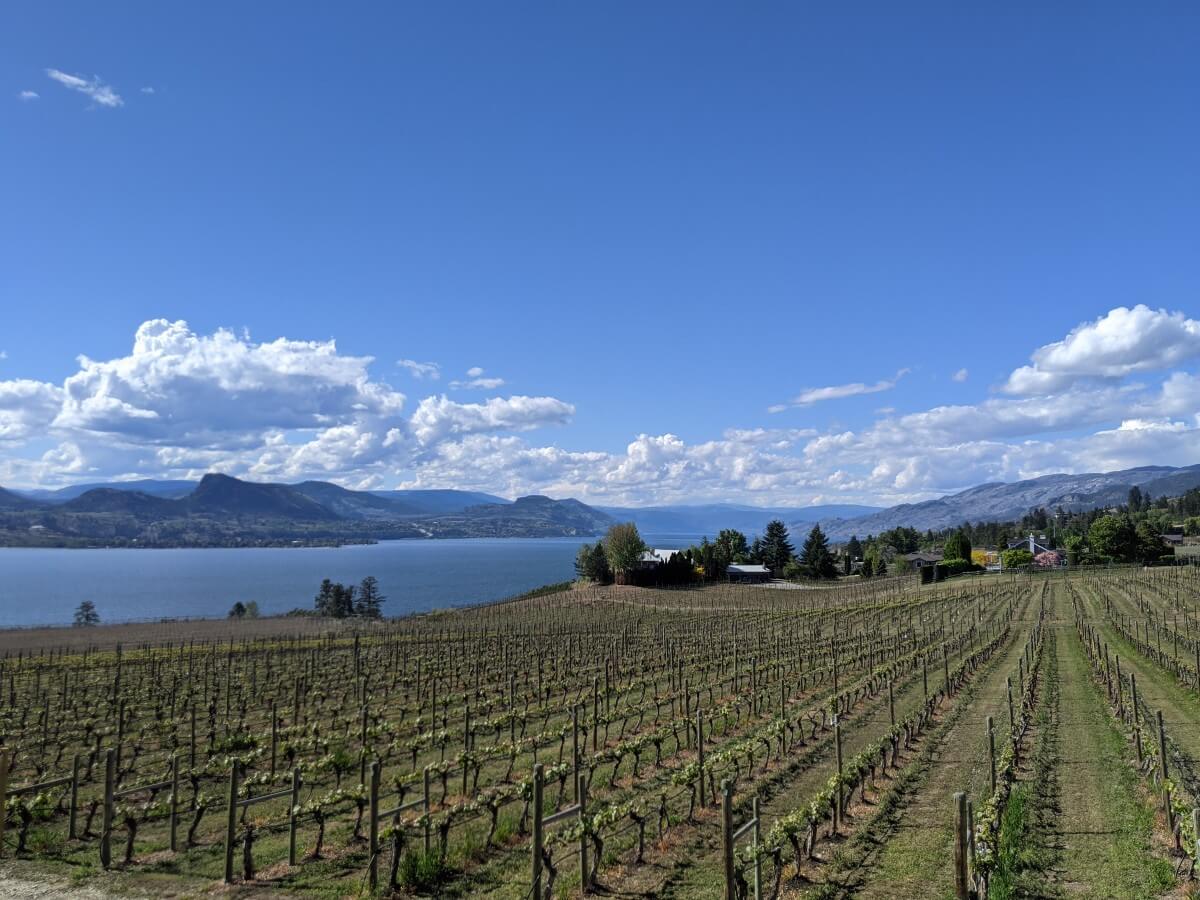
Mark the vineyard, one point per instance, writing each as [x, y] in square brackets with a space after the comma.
[990, 736]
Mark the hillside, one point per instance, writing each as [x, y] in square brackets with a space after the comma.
[709, 519]
[221, 510]
[998, 502]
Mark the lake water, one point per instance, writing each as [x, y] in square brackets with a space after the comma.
[44, 586]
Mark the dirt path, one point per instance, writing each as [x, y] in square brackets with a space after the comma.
[1106, 827]
[915, 861]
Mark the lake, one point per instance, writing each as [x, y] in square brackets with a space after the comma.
[44, 586]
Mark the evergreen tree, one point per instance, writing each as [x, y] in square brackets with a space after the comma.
[591, 564]
[815, 557]
[86, 615]
[854, 549]
[776, 549]
[867, 570]
[370, 600]
[324, 602]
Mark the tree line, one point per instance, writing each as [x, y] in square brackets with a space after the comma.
[618, 557]
[339, 601]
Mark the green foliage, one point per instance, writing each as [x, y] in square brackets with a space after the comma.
[421, 870]
[957, 546]
[86, 615]
[238, 610]
[623, 547]
[370, 600]
[1113, 537]
[775, 548]
[591, 563]
[1016, 559]
[816, 560]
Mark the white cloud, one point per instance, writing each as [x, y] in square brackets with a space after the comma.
[438, 418]
[27, 408]
[181, 403]
[28, 95]
[475, 381]
[485, 384]
[960, 376]
[100, 93]
[1121, 342]
[421, 370]
[809, 396]
[147, 90]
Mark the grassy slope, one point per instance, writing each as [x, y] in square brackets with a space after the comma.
[915, 862]
[1105, 824]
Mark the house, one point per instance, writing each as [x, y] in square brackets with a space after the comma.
[652, 559]
[1030, 544]
[923, 558]
[747, 573]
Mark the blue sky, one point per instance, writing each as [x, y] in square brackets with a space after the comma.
[653, 223]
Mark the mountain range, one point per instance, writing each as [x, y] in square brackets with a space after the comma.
[223, 511]
[1002, 502]
[220, 510]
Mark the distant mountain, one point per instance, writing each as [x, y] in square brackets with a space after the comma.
[222, 494]
[223, 511]
[12, 500]
[1000, 502]
[708, 519]
[569, 516]
[356, 504]
[135, 503]
[170, 489]
[436, 503]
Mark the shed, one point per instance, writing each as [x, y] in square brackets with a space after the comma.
[747, 573]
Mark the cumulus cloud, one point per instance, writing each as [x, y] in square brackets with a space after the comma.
[28, 95]
[809, 396]
[437, 418]
[960, 376]
[1119, 343]
[421, 370]
[180, 403]
[101, 93]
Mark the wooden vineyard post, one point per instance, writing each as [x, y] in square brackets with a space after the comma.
[583, 835]
[292, 817]
[537, 832]
[1196, 831]
[274, 737]
[687, 712]
[700, 753]
[428, 834]
[991, 736]
[174, 809]
[373, 828]
[1162, 765]
[74, 810]
[4, 758]
[575, 750]
[961, 888]
[231, 822]
[362, 753]
[925, 674]
[946, 669]
[107, 815]
[757, 858]
[891, 702]
[727, 838]
[1137, 724]
[837, 743]
[1012, 722]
